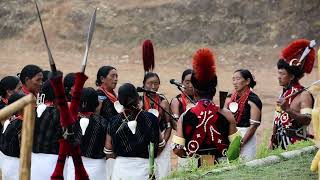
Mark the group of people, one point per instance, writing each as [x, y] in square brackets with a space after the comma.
[130, 135]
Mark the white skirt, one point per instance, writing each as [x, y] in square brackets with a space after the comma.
[94, 167]
[109, 168]
[1, 159]
[130, 168]
[163, 163]
[47, 164]
[10, 168]
[248, 151]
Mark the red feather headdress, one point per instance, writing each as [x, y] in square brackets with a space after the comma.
[204, 70]
[295, 51]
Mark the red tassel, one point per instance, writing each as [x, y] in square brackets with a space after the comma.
[204, 66]
[66, 119]
[80, 79]
[80, 172]
[64, 148]
[148, 56]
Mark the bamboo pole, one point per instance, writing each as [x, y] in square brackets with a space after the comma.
[27, 141]
[9, 110]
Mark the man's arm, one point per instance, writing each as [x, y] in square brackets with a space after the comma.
[304, 116]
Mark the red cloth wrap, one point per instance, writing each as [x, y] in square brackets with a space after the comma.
[80, 79]
[67, 119]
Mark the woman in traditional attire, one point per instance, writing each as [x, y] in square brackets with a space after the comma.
[183, 101]
[246, 107]
[129, 137]
[157, 105]
[91, 131]
[107, 79]
[10, 142]
[47, 133]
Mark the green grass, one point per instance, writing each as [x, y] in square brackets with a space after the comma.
[300, 167]
[297, 168]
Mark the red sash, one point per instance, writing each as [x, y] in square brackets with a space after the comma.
[112, 96]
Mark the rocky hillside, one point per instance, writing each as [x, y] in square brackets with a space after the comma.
[169, 22]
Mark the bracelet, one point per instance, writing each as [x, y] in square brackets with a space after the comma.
[162, 144]
[107, 151]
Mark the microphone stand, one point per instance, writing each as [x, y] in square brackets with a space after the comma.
[168, 113]
[189, 98]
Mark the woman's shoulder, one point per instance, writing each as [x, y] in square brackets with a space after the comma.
[253, 97]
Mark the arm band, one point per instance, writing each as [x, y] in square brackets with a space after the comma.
[306, 111]
[178, 140]
[254, 122]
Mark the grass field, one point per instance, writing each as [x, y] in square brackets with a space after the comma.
[296, 168]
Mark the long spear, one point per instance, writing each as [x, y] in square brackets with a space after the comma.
[89, 39]
[51, 61]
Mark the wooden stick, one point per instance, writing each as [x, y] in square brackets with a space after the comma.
[8, 111]
[26, 142]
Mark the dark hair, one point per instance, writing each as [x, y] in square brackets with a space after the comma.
[204, 86]
[149, 75]
[29, 71]
[89, 100]
[246, 74]
[294, 70]
[47, 90]
[14, 97]
[68, 82]
[103, 71]
[185, 73]
[45, 75]
[8, 83]
[128, 95]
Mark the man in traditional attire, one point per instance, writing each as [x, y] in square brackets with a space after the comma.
[293, 114]
[206, 129]
[129, 135]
